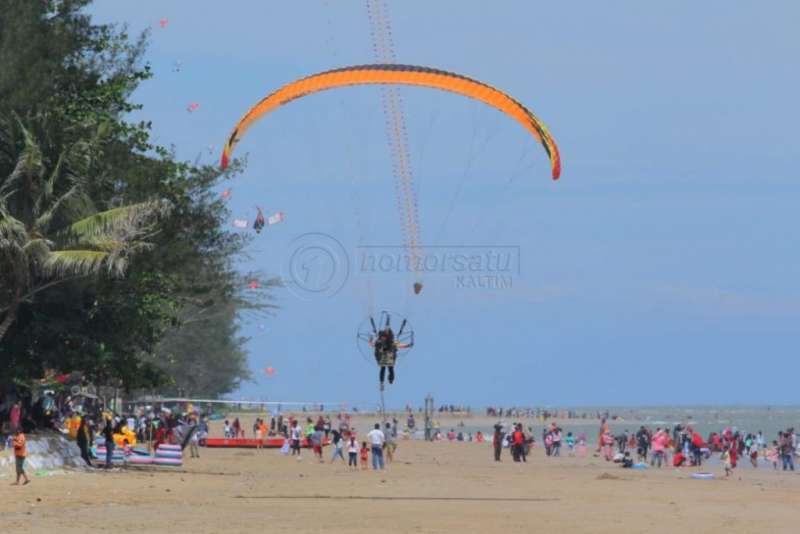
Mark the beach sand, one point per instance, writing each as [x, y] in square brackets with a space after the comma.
[430, 487]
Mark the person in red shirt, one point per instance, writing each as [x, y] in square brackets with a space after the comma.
[20, 453]
[518, 444]
[364, 455]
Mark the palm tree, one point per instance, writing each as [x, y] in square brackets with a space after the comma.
[50, 231]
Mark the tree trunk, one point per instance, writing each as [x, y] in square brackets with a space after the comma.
[11, 316]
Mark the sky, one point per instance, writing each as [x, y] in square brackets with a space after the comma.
[662, 268]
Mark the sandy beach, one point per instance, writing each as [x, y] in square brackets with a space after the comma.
[430, 487]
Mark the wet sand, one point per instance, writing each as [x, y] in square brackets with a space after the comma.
[430, 487]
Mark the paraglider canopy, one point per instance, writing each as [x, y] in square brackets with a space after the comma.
[402, 75]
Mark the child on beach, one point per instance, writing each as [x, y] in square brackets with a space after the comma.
[725, 458]
[20, 453]
[773, 455]
[364, 455]
[352, 453]
[754, 456]
[570, 444]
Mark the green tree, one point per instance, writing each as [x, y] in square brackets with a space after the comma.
[49, 230]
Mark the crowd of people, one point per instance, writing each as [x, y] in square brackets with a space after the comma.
[315, 434]
[678, 446]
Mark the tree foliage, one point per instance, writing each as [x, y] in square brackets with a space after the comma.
[115, 258]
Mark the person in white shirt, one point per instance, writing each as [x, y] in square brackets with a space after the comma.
[352, 452]
[377, 439]
[297, 436]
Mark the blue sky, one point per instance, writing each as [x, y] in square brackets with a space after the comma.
[662, 268]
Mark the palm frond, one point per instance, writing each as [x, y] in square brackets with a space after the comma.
[125, 220]
[61, 263]
[29, 164]
[49, 185]
[42, 223]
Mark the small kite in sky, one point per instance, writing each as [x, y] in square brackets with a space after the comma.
[275, 219]
[226, 194]
[253, 284]
[163, 23]
[240, 223]
[193, 107]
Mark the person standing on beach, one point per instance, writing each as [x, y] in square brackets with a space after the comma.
[642, 443]
[377, 439]
[352, 452]
[786, 450]
[296, 436]
[317, 439]
[725, 458]
[497, 442]
[15, 416]
[108, 434]
[20, 452]
[390, 445]
[603, 430]
[556, 433]
[83, 439]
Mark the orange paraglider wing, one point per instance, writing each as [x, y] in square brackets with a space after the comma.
[403, 75]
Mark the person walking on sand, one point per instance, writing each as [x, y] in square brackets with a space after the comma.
[497, 442]
[338, 445]
[377, 439]
[20, 452]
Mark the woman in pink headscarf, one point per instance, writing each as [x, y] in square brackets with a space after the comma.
[15, 415]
